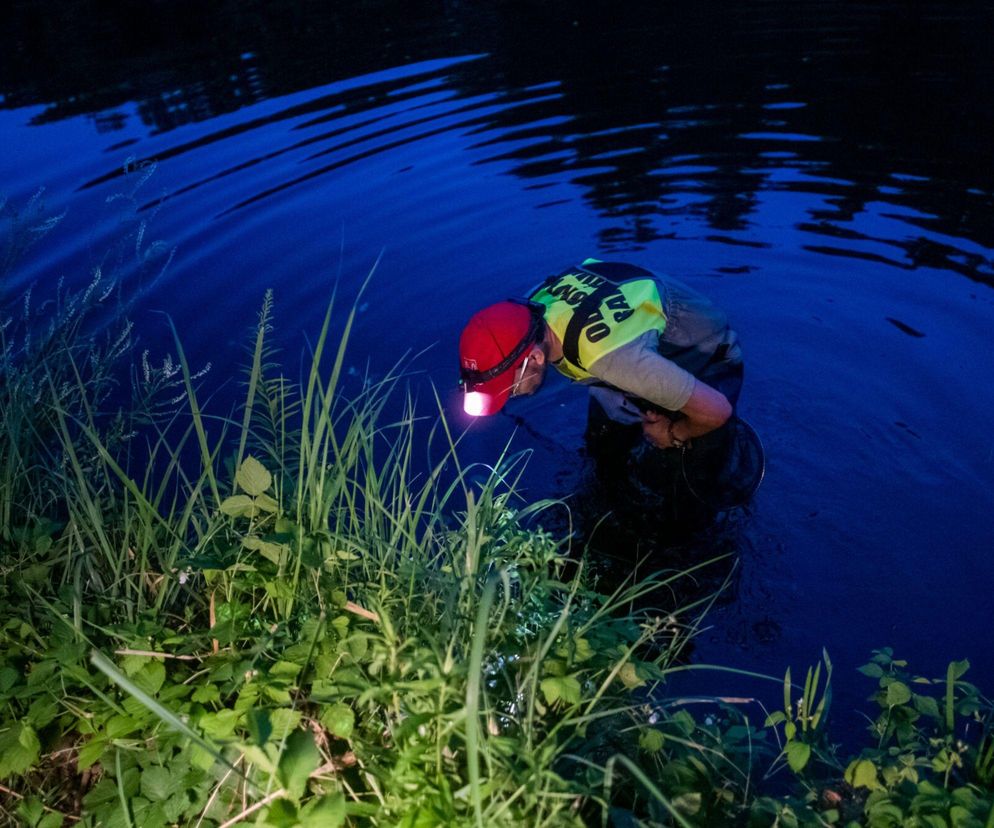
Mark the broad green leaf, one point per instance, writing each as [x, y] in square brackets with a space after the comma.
[629, 677]
[958, 668]
[157, 784]
[51, 820]
[775, 718]
[928, 706]
[862, 773]
[174, 807]
[119, 726]
[252, 477]
[200, 757]
[570, 692]
[131, 664]
[284, 669]
[91, 752]
[275, 552]
[873, 670]
[8, 678]
[19, 749]
[561, 688]
[279, 589]
[266, 503]
[259, 757]
[651, 740]
[687, 803]
[897, 693]
[339, 720]
[206, 693]
[239, 506]
[685, 721]
[42, 712]
[551, 690]
[220, 725]
[151, 677]
[260, 727]
[326, 812]
[583, 650]
[798, 754]
[281, 814]
[300, 758]
[284, 720]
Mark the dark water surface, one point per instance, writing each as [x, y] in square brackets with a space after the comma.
[823, 170]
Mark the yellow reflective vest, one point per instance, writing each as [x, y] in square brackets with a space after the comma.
[597, 307]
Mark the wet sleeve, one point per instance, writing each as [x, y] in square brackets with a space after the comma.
[639, 369]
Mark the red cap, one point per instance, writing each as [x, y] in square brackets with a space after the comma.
[496, 337]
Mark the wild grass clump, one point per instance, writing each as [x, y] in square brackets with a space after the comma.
[301, 613]
[307, 612]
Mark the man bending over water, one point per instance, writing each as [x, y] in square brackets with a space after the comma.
[660, 359]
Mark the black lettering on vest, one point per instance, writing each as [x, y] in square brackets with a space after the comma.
[621, 316]
[575, 296]
[589, 279]
[567, 293]
[596, 332]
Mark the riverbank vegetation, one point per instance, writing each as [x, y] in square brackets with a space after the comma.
[306, 612]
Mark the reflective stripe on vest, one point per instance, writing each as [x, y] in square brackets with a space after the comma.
[596, 308]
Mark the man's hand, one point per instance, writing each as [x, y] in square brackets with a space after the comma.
[656, 428]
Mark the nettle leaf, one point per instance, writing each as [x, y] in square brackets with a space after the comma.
[156, 784]
[798, 754]
[339, 720]
[300, 758]
[42, 712]
[252, 477]
[873, 670]
[239, 506]
[174, 807]
[220, 725]
[19, 749]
